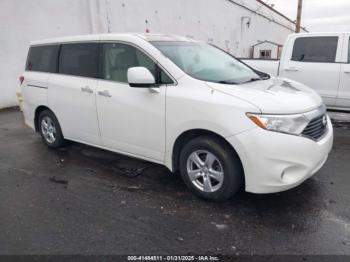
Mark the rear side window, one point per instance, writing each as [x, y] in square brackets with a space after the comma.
[79, 60]
[315, 49]
[42, 58]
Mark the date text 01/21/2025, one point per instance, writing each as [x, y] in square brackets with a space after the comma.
[173, 258]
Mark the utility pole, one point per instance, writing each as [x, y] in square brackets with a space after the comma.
[297, 25]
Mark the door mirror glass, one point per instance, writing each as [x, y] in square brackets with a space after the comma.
[140, 77]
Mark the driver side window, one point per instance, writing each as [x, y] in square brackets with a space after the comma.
[118, 58]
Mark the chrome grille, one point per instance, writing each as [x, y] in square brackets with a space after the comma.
[316, 128]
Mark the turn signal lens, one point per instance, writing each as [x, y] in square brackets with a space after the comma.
[256, 120]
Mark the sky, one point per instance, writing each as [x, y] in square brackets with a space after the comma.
[318, 15]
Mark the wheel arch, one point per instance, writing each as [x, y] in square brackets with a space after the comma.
[186, 136]
[37, 112]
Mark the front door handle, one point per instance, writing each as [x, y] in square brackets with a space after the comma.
[291, 69]
[347, 72]
[87, 89]
[104, 93]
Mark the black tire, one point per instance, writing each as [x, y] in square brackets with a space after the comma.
[58, 138]
[228, 159]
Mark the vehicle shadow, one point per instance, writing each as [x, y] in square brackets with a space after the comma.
[290, 210]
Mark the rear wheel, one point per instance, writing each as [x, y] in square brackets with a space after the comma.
[50, 129]
[210, 168]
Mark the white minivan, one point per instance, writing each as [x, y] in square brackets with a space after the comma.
[181, 103]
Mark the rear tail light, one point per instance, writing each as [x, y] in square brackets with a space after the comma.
[21, 79]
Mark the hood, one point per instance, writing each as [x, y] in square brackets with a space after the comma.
[274, 96]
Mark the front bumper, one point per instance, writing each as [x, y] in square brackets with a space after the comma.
[275, 162]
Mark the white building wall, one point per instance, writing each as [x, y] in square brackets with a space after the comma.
[24, 21]
[220, 22]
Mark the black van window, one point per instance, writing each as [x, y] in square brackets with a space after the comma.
[42, 58]
[321, 49]
[79, 59]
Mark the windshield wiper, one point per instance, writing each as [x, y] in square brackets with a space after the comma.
[255, 79]
[227, 82]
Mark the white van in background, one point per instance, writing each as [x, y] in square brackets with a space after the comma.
[318, 60]
[181, 103]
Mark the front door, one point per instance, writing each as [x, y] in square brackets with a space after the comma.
[132, 120]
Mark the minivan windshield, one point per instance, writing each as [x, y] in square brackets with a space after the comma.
[205, 62]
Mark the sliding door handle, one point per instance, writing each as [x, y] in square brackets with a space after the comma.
[87, 89]
[291, 69]
[104, 93]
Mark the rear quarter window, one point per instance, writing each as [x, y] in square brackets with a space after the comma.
[79, 59]
[42, 58]
[321, 49]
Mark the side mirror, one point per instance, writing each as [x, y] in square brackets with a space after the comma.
[140, 77]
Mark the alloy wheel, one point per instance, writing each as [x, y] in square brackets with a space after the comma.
[205, 171]
[48, 129]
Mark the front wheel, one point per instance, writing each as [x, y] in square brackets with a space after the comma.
[211, 168]
[50, 129]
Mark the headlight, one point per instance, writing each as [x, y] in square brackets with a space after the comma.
[291, 124]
